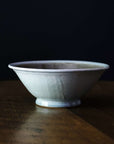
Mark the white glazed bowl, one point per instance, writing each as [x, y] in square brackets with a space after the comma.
[58, 83]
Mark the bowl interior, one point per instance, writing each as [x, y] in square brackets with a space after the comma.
[60, 65]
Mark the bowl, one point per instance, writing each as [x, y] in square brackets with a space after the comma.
[58, 83]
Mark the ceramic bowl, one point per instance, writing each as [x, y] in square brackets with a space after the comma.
[58, 83]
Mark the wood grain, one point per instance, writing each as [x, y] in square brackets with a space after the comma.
[22, 122]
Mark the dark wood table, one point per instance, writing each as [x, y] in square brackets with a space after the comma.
[22, 122]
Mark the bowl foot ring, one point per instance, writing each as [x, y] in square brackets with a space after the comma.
[56, 104]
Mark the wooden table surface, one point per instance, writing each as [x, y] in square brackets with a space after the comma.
[22, 122]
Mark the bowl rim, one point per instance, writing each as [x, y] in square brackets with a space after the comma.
[15, 66]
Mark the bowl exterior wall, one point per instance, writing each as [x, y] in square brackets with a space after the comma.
[60, 86]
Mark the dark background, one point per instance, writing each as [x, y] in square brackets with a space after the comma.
[43, 30]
